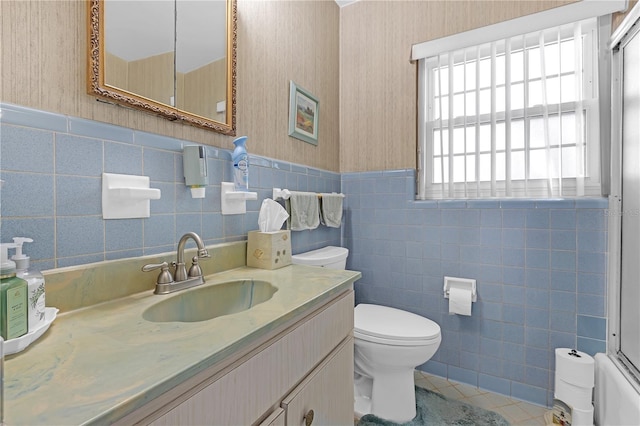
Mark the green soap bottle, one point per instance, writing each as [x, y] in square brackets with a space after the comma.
[13, 298]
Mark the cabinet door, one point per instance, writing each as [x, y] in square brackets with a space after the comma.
[325, 396]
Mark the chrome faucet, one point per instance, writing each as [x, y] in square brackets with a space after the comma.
[194, 271]
[180, 280]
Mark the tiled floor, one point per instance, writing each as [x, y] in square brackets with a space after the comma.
[516, 412]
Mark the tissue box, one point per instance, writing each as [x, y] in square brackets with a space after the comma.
[269, 250]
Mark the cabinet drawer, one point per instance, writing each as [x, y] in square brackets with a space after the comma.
[325, 397]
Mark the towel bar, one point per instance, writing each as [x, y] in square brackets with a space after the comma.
[332, 193]
[285, 194]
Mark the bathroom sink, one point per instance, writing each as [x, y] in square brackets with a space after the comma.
[210, 301]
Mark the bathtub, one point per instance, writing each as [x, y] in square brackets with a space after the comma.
[616, 401]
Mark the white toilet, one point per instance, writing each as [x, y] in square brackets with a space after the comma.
[389, 345]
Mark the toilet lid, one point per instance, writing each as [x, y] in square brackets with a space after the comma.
[393, 324]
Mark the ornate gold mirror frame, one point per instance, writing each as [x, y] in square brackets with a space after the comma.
[110, 92]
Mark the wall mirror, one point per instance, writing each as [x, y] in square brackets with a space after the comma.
[174, 58]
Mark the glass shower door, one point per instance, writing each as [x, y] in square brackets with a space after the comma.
[630, 214]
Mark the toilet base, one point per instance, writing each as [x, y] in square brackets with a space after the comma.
[362, 406]
[390, 395]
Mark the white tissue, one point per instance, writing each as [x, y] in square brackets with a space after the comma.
[272, 216]
[460, 301]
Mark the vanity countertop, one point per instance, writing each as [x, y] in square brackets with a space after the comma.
[95, 365]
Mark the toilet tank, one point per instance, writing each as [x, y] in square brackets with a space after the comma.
[328, 257]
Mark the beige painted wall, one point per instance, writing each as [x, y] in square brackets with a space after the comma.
[43, 65]
[619, 17]
[354, 59]
[377, 80]
[289, 40]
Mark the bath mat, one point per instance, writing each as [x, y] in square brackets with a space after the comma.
[435, 409]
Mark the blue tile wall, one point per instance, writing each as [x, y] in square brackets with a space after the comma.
[539, 266]
[52, 168]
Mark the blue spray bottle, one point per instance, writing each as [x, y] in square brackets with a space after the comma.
[240, 161]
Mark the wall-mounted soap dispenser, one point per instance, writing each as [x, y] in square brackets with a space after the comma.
[196, 174]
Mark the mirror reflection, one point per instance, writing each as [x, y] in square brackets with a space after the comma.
[172, 57]
[201, 73]
[139, 48]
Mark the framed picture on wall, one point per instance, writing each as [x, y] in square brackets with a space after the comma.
[303, 114]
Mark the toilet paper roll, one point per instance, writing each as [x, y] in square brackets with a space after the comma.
[575, 367]
[460, 301]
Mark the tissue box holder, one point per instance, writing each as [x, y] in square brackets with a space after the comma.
[269, 250]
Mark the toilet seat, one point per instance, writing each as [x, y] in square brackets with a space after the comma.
[390, 326]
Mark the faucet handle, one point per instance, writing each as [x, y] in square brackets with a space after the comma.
[195, 270]
[165, 276]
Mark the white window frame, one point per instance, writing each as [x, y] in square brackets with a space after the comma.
[432, 188]
[536, 22]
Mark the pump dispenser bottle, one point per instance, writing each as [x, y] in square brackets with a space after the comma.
[240, 160]
[13, 298]
[35, 284]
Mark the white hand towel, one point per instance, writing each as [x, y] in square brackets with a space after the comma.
[331, 210]
[304, 211]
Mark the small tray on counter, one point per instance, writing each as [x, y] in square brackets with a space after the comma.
[18, 344]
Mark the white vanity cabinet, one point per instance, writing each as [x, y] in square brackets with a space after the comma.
[304, 365]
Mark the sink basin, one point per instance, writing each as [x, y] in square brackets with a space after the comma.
[210, 301]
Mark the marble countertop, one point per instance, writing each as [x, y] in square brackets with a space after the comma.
[95, 365]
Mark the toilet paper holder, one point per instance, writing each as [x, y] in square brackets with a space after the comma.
[464, 283]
